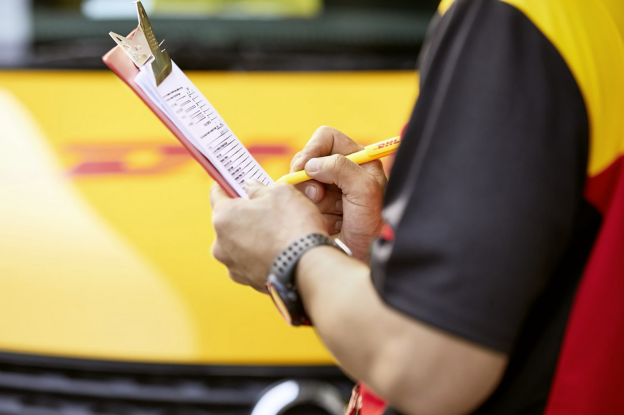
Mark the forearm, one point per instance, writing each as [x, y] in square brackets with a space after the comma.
[412, 365]
[339, 297]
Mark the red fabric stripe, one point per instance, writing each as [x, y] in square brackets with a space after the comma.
[387, 234]
[371, 403]
[590, 373]
[600, 189]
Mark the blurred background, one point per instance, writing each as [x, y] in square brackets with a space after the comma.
[222, 34]
[110, 302]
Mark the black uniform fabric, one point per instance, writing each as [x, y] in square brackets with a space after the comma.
[486, 196]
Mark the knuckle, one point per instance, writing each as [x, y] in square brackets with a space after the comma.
[324, 129]
[281, 192]
[340, 163]
[320, 142]
[217, 253]
[372, 187]
[281, 188]
[234, 277]
[216, 220]
[219, 222]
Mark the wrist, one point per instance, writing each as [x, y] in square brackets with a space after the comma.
[281, 280]
[310, 266]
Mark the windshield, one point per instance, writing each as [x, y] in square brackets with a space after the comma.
[299, 35]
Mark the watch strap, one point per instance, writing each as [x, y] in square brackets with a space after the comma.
[281, 278]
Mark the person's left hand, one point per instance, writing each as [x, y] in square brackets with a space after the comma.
[251, 233]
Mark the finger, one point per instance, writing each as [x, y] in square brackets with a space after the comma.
[328, 199]
[313, 190]
[325, 141]
[331, 203]
[333, 223]
[217, 195]
[337, 169]
[294, 160]
[255, 188]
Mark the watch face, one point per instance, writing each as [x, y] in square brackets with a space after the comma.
[279, 303]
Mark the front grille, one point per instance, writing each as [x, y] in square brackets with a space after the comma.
[38, 385]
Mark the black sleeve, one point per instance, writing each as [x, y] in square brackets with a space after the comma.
[484, 190]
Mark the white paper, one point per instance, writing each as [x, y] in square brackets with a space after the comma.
[202, 125]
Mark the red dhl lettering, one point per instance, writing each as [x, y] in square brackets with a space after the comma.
[157, 158]
[388, 143]
[119, 159]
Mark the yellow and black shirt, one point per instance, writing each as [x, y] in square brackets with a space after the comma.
[507, 198]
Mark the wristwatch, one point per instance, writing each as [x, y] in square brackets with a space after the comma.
[281, 279]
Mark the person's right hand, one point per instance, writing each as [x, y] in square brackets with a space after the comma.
[349, 196]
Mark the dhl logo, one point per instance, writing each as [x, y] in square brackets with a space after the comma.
[146, 158]
[388, 143]
[104, 159]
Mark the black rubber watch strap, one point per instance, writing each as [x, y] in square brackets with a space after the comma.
[286, 262]
[282, 274]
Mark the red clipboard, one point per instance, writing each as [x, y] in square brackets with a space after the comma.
[119, 62]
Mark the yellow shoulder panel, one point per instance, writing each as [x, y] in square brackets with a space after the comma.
[444, 6]
[589, 35]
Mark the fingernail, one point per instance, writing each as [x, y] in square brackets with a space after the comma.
[253, 183]
[338, 226]
[310, 192]
[312, 165]
[339, 206]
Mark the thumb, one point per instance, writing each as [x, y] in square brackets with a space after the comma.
[339, 170]
[255, 188]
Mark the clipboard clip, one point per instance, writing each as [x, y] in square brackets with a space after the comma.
[143, 47]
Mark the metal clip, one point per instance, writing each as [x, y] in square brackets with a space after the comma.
[143, 46]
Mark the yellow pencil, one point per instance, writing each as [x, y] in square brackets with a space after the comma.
[370, 153]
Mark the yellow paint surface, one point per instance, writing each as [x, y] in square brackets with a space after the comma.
[589, 35]
[118, 266]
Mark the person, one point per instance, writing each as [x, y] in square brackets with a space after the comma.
[491, 280]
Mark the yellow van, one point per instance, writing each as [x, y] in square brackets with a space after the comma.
[110, 301]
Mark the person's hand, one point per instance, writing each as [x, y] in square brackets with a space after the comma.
[349, 196]
[251, 233]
